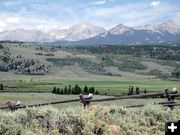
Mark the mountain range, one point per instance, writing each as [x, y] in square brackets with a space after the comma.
[89, 34]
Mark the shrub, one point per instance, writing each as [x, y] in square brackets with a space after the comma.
[3, 69]
[73, 120]
[131, 65]
[39, 53]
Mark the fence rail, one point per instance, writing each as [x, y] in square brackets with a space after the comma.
[165, 94]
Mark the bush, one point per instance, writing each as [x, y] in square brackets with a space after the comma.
[95, 120]
[3, 69]
[155, 72]
[39, 53]
[49, 54]
[131, 65]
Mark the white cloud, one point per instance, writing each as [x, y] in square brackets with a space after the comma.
[99, 2]
[131, 14]
[2, 24]
[155, 3]
[176, 18]
[46, 27]
[12, 20]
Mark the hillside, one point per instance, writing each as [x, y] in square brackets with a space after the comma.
[159, 61]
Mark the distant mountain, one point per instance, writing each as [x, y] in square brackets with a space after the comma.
[170, 26]
[57, 34]
[167, 32]
[83, 31]
[89, 34]
[25, 35]
[120, 29]
[75, 33]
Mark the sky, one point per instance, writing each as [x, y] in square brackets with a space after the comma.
[49, 14]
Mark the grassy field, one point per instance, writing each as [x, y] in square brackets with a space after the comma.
[109, 85]
[37, 98]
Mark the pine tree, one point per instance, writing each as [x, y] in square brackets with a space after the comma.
[69, 90]
[90, 89]
[54, 90]
[65, 90]
[86, 90]
[97, 92]
[129, 90]
[1, 87]
[57, 91]
[62, 92]
[76, 89]
[73, 90]
[137, 90]
[145, 91]
[93, 90]
[132, 90]
[79, 90]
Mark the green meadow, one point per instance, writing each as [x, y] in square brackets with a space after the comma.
[111, 86]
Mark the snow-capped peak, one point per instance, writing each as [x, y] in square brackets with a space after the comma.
[83, 31]
[58, 34]
[26, 35]
[168, 23]
[147, 27]
[170, 26]
[119, 29]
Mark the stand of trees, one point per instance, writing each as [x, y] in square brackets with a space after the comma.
[21, 65]
[135, 91]
[162, 52]
[74, 90]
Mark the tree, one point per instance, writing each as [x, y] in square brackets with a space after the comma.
[85, 89]
[132, 90]
[61, 91]
[54, 90]
[137, 90]
[1, 87]
[57, 91]
[145, 91]
[73, 91]
[97, 92]
[77, 89]
[65, 90]
[91, 90]
[129, 90]
[69, 90]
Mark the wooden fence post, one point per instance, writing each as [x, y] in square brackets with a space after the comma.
[170, 107]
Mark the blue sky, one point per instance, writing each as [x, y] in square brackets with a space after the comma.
[47, 14]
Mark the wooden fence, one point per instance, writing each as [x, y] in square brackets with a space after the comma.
[169, 95]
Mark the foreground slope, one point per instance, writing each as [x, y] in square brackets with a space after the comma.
[107, 120]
